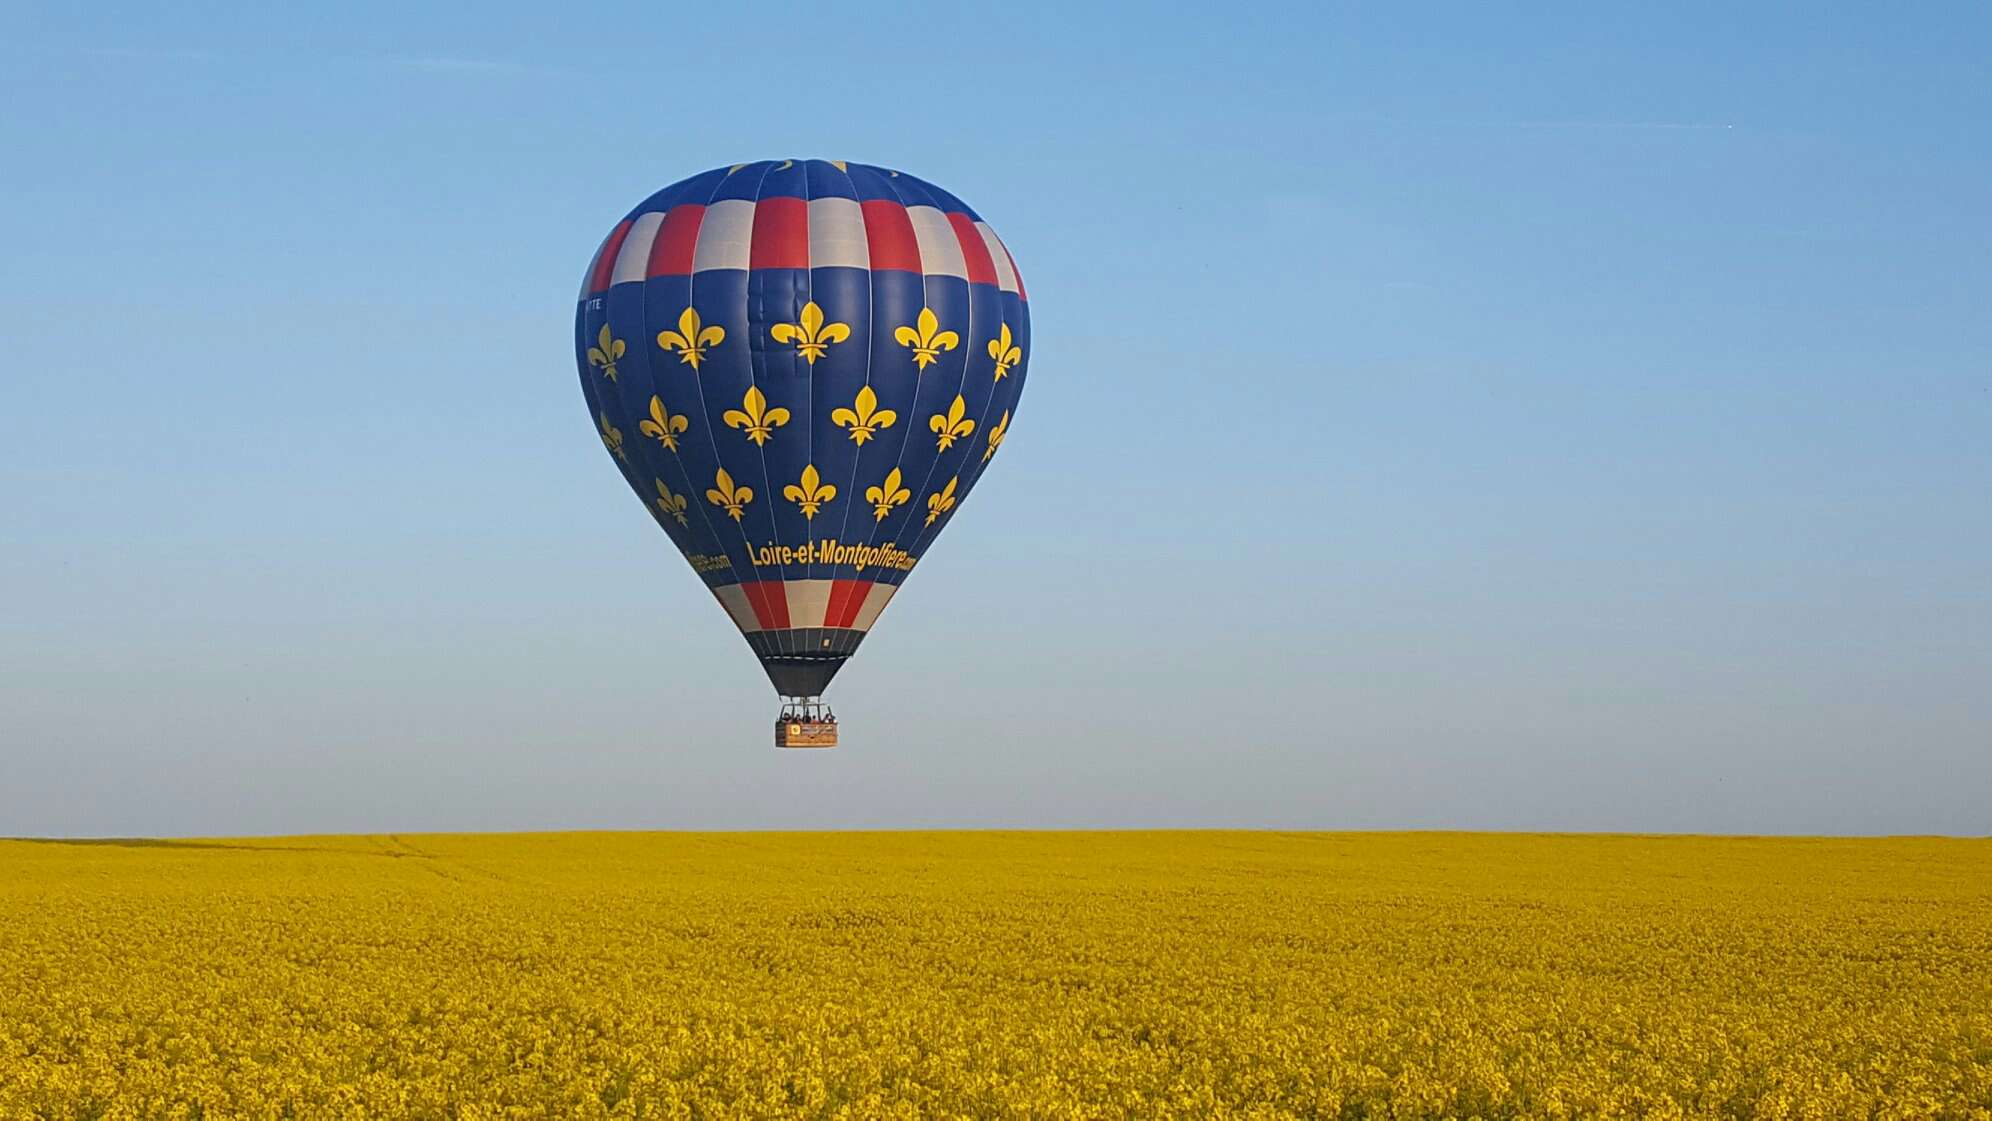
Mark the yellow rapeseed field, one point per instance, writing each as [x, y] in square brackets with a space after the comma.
[996, 975]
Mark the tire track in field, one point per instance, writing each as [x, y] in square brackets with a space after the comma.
[391, 846]
[401, 846]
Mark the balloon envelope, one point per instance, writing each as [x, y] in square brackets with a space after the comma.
[802, 367]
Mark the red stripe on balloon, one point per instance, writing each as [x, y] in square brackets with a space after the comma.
[981, 269]
[605, 261]
[846, 598]
[778, 604]
[769, 599]
[677, 238]
[834, 606]
[781, 234]
[752, 590]
[889, 233]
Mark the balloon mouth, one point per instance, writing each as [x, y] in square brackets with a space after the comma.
[801, 676]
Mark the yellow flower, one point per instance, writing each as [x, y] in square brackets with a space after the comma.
[662, 426]
[690, 340]
[612, 437]
[1413, 976]
[606, 352]
[1006, 353]
[941, 501]
[811, 336]
[733, 499]
[953, 425]
[866, 419]
[754, 415]
[668, 503]
[887, 495]
[928, 340]
[996, 435]
[812, 494]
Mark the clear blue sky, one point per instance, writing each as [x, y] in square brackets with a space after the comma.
[1463, 418]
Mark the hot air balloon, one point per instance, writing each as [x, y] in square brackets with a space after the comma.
[802, 367]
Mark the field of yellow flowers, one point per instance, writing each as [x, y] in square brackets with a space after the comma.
[1006, 975]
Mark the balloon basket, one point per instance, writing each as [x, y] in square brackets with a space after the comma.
[806, 723]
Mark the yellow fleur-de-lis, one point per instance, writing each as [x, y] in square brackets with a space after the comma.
[668, 503]
[941, 501]
[953, 425]
[929, 340]
[812, 494]
[607, 351]
[887, 495]
[1005, 351]
[662, 426]
[612, 437]
[868, 418]
[690, 340]
[996, 436]
[758, 419]
[812, 337]
[727, 496]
